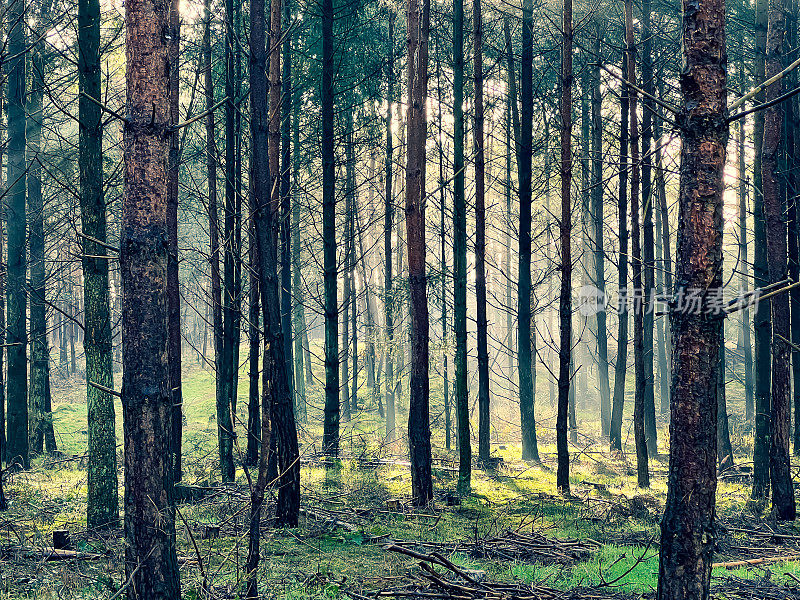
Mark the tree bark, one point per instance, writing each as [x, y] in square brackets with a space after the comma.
[17, 451]
[783, 502]
[101, 498]
[151, 563]
[565, 230]
[530, 449]
[419, 433]
[687, 527]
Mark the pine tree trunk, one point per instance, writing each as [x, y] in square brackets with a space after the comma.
[480, 241]
[640, 439]
[101, 499]
[388, 299]
[761, 316]
[173, 284]
[254, 337]
[298, 309]
[330, 436]
[151, 565]
[687, 527]
[460, 255]
[530, 449]
[621, 365]
[783, 502]
[17, 451]
[565, 230]
[724, 448]
[287, 216]
[648, 245]
[419, 434]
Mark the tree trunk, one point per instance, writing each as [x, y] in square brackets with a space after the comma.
[460, 255]
[724, 448]
[480, 241]
[565, 229]
[761, 316]
[388, 300]
[640, 440]
[419, 433]
[298, 309]
[101, 499]
[286, 202]
[648, 246]
[621, 366]
[17, 451]
[151, 564]
[173, 283]
[597, 237]
[530, 449]
[330, 436]
[254, 336]
[687, 528]
[783, 503]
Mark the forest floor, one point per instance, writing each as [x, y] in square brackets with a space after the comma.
[603, 537]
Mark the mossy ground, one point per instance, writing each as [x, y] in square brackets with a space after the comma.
[316, 560]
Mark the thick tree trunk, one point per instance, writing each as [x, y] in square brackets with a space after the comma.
[530, 449]
[480, 240]
[101, 498]
[330, 436]
[419, 433]
[783, 502]
[17, 415]
[639, 308]
[687, 527]
[565, 302]
[151, 564]
[621, 365]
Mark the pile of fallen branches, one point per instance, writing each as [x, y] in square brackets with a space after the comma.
[517, 546]
[749, 540]
[455, 583]
[735, 588]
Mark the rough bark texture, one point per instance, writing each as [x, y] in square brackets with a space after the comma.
[419, 432]
[150, 559]
[687, 527]
[565, 302]
[102, 505]
[17, 415]
[783, 502]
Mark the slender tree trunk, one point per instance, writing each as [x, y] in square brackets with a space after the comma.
[687, 528]
[783, 502]
[530, 449]
[480, 241]
[761, 316]
[254, 336]
[388, 298]
[621, 366]
[286, 201]
[597, 238]
[724, 448]
[101, 499]
[330, 436]
[151, 564]
[419, 433]
[16, 67]
[565, 302]
[460, 255]
[640, 440]
[173, 283]
[350, 175]
[298, 314]
[665, 271]
[648, 245]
